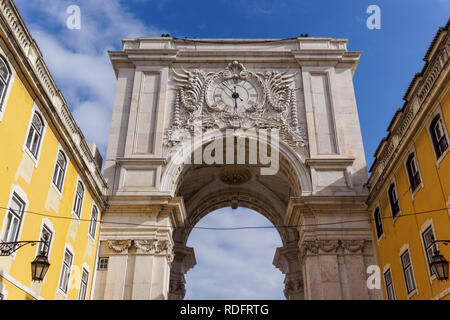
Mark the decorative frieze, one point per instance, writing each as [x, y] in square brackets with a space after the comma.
[293, 287]
[144, 246]
[266, 101]
[314, 247]
[119, 246]
[353, 246]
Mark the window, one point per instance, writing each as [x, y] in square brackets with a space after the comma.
[378, 223]
[408, 272]
[35, 135]
[393, 200]
[5, 76]
[60, 169]
[83, 285]
[389, 285]
[65, 271]
[103, 263]
[14, 219]
[438, 137]
[430, 245]
[93, 223]
[78, 203]
[413, 172]
[47, 235]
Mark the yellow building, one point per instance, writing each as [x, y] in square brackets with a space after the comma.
[50, 180]
[410, 183]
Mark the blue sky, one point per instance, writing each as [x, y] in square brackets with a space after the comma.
[79, 62]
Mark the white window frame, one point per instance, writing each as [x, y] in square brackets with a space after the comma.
[15, 189]
[399, 213]
[403, 250]
[92, 236]
[52, 184]
[448, 206]
[99, 264]
[438, 111]
[83, 269]
[4, 294]
[67, 248]
[44, 129]
[379, 237]
[12, 229]
[425, 226]
[421, 185]
[46, 223]
[12, 76]
[385, 271]
[82, 200]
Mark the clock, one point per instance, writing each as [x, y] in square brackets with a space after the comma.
[234, 94]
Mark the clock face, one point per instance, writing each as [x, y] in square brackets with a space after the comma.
[234, 95]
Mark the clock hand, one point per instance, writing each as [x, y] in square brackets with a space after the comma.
[227, 87]
[236, 95]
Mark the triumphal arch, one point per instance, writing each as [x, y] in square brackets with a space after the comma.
[201, 124]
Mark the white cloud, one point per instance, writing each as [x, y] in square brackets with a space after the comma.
[230, 264]
[234, 264]
[78, 59]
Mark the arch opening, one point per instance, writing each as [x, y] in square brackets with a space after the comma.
[234, 264]
[205, 188]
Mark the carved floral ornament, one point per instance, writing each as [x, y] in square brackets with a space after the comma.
[235, 98]
[293, 285]
[119, 246]
[150, 246]
[328, 246]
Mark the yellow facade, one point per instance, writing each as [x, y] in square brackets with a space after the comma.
[32, 181]
[427, 205]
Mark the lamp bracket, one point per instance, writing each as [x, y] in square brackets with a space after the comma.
[8, 248]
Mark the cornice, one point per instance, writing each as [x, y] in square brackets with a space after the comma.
[304, 51]
[51, 97]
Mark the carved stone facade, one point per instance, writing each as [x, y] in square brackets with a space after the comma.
[171, 90]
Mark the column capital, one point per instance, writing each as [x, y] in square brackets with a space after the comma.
[119, 246]
[293, 286]
[177, 289]
[353, 246]
[348, 246]
[313, 247]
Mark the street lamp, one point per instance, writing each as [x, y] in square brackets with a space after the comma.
[40, 264]
[439, 264]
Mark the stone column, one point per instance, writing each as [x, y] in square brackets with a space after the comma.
[151, 269]
[288, 261]
[355, 269]
[183, 261]
[336, 269]
[138, 269]
[321, 269]
[117, 267]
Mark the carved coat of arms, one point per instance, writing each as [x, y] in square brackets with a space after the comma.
[235, 98]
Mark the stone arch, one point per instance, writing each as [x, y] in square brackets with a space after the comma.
[296, 164]
[205, 188]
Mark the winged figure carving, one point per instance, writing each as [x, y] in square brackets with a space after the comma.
[192, 88]
[278, 89]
